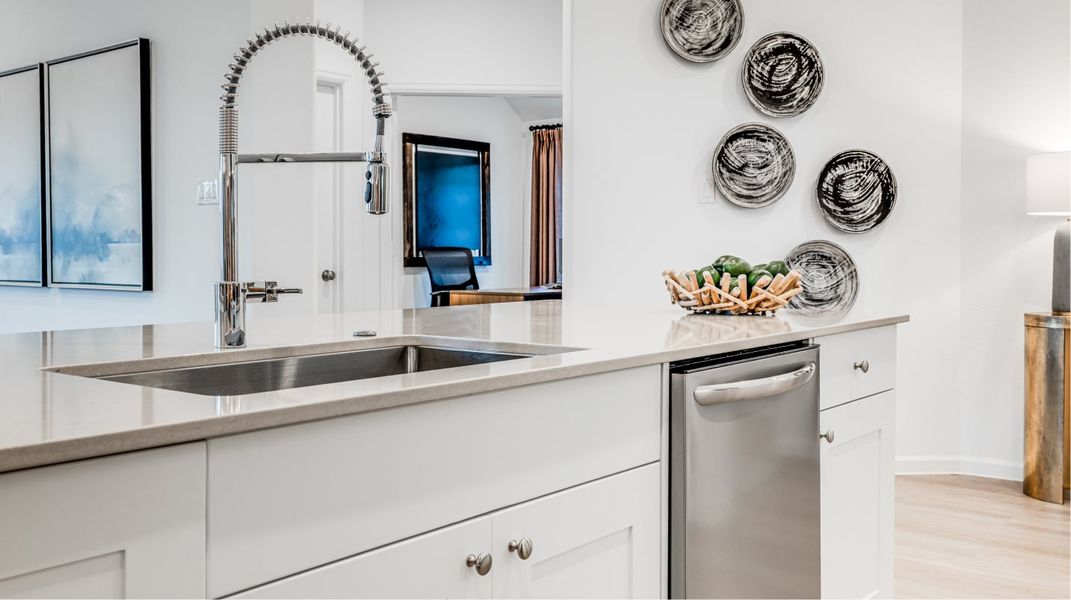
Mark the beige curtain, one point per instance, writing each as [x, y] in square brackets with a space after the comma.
[546, 206]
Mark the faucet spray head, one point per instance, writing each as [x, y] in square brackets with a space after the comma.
[377, 188]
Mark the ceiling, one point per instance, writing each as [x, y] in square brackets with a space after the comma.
[536, 108]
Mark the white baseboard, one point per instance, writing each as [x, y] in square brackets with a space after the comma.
[927, 465]
[992, 468]
[959, 465]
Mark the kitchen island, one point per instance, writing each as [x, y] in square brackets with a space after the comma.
[361, 487]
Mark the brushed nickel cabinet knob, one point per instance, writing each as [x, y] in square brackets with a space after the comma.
[522, 547]
[327, 275]
[480, 562]
[827, 436]
[863, 365]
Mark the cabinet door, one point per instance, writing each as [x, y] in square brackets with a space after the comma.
[130, 525]
[857, 498]
[597, 540]
[427, 566]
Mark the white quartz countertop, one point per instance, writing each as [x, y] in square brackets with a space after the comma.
[49, 417]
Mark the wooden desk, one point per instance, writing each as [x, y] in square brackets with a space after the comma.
[459, 297]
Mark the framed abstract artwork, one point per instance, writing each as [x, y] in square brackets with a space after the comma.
[99, 172]
[22, 176]
[446, 196]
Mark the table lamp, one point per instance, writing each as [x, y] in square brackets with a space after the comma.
[1048, 194]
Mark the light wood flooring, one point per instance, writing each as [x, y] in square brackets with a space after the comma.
[969, 537]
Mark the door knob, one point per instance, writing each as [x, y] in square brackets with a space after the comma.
[480, 562]
[327, 275]
[827, 436]
[863, 365]
[522, 547]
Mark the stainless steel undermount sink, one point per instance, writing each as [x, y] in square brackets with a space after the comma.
[253, 376]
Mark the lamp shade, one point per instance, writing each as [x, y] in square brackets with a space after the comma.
[1048, 184]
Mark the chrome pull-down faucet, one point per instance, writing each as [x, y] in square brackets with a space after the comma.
[232, 294]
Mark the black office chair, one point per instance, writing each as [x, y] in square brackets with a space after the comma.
[449, 269]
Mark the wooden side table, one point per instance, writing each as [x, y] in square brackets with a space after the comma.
[1047, 447]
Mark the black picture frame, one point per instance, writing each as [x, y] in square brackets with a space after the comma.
[144, 120]
[410, 167]
[42, 278]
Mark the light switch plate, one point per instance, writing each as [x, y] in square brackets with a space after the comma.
[208, 192]
[706, 192]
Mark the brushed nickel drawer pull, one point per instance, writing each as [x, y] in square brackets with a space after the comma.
[827, 436]
[480, 562]
[523, 548]
[863, 365]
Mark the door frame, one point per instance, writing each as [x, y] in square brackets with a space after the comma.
[394, 143]
[335, 84]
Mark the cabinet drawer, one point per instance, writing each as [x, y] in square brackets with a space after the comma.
[427, 566]
[289, 499]
[841, 380]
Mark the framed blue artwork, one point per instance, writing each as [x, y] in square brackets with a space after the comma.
[22, 175]
[99, 172]
[446, 196]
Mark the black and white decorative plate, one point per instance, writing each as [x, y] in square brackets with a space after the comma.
[782, 75]
[856, 191]
[829, 276]
[702, 30]
[753, 165]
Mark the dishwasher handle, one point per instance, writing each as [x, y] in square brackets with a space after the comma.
[753, 389]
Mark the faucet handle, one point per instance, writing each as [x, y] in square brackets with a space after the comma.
[267, 291]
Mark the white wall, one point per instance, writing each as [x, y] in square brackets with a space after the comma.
[641, 125]
[192, 44]
[1016, 102]
[484, 119]
[494, 44]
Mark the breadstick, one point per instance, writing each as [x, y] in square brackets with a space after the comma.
[693, 281]
[682, 279]
[680, 290]
[770, 300]
[789, 294]
[704, 295]
[761, 283]
[729, 297]
[776, 282]
[673, 296]
[708, 284]
[725, 278]
[789, 282]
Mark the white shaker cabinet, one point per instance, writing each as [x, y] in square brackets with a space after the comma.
[599, 540]
[594, 540]
[857, 422]
[303, 496]
[857, 498]
[125, 526]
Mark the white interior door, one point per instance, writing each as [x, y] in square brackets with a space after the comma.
[349, 242]
[327, 198]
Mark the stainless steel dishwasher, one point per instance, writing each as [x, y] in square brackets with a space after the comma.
[744, 475]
